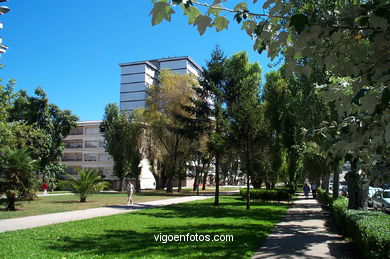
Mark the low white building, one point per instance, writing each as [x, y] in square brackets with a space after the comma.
[84, 148]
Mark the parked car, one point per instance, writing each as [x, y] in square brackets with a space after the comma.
[371, 192]
[344, 190]
[381, 200]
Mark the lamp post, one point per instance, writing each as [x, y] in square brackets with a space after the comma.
[3, 10]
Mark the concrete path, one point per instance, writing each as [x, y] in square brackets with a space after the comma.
[53, 218]
[307, 231]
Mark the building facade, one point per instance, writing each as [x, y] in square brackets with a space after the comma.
[84, 148]
[136, 77]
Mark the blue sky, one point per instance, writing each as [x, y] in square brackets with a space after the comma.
[72, 48]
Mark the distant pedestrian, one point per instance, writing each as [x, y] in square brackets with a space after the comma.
[306, 190]
[314, 190]
[130, 191]
[45, 187]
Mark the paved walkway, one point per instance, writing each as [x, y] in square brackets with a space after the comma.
[307, 231]
[53, 218]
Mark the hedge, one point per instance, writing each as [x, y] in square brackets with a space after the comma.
[267, 195]
[369, 230]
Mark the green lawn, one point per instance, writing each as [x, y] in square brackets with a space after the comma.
[52, 204]
[131, 235]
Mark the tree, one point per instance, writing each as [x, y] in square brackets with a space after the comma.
[207, 117]
[122, 137]
[52, 172]
[165, 102]
[244, 110]
[348, 40]
[87, 183]
[17, 175]
[49, 118]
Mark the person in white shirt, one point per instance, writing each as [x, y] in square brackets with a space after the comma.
[130, 191]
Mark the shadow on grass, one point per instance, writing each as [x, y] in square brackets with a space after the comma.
[248, 228]
[136, 244]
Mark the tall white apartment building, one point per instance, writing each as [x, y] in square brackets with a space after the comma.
[84, 148]
[136, 77]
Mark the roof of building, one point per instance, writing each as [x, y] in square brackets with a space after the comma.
[154, 62]
[96, 122]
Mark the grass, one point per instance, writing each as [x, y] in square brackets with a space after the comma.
[53, 204]
[131, 235]
[61, 203]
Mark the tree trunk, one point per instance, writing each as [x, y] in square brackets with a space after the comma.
[11, 200]
[137, 182]
[83, 199]
[170, 184]
[248, 206]
[180, 184]
[205, 174]
[336, 179]
[325, 182]
[170, 179]
[196, 179]
[216, 199]
[121, 184]
[357, 188]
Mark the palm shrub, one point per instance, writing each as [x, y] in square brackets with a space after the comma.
[87, 183]
[17, 175]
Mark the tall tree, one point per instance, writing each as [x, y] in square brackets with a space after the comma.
[244, 110]
[48, 117]
[208, 115]
[122, 136]
[166, 100]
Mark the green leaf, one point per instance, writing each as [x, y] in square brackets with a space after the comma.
[249, 27]
[213, 11]
[221, 23]
[299, 21]
[217, 2]
[192, 13]
[241, 6]
[161, 11]
[202, 21]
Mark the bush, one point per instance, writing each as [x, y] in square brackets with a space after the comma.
[370, 231]
[267, 195]
[324, 197]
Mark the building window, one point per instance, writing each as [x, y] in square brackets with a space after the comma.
[76, 131]
[90, 157]
[92, 131]
[91, 144]
[72, 157]
[104, 157]
[102, 143]
[74, 144]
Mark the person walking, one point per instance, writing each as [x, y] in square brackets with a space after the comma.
[45, 187]
[306, 190]
[130, 191]
[314, 190]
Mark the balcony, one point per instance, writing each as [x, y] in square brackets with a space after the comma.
[91, 144]
[72, 158]
[76, 131]
[73, 144]
[90, 158]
